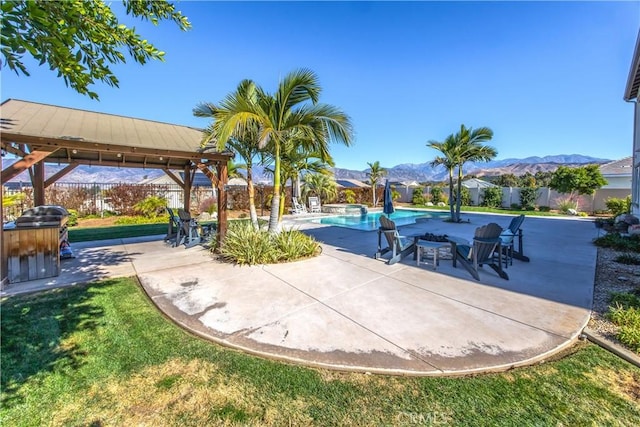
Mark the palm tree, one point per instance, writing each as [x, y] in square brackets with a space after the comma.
[321, 185]
[243, 143]
[293, 164]
[297, 161]
[458, 149]
[292, 111]
[375, 173]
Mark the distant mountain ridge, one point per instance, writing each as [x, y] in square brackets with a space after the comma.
[403, 172]
[425, 172]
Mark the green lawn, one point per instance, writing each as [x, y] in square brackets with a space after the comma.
[85, 234]
[103, 355]
[485, 209]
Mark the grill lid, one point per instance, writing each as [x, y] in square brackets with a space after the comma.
[40, 216]
[46, 210]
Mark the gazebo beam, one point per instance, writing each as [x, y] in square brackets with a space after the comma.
[56, 176]
[26, 162]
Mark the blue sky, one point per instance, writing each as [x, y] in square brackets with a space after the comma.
[547, 77]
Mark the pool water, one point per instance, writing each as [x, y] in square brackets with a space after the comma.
[370, 221]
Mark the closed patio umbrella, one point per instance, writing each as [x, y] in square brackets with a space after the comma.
[387, 205]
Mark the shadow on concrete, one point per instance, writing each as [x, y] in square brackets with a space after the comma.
[563, 257]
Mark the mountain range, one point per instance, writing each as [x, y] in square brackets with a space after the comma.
[421, 172]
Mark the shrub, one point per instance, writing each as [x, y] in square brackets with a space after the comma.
[628, 259]
[69, 197]
[72, 220]
[515, 207]
[151, 206]
[134, 220]
[349, 196]
[292, 245]
[209, 206]
[465, 196]
[245, 245]
[544, 208]
[124, 197]
[619, 206]
[625, 313]
[418, 197]
[619, 242]
[492, 197]
[528, 197]
[437, 195]
[564, 205]
[625, 300]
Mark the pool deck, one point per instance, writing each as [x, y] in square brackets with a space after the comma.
[345, 310]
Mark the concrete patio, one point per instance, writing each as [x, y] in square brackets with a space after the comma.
[346, 310]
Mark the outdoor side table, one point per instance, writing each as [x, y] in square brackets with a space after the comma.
[425, 248]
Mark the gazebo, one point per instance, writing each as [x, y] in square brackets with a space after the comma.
[39, 132]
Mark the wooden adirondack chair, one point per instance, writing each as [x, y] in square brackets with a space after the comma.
[188, 232]
[399, 246]
[486, 249]
[511, 235]
[173, 227]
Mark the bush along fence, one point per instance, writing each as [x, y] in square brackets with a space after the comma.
[100, 198]
[527, 197]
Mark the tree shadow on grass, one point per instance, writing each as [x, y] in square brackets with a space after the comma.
[35, 329]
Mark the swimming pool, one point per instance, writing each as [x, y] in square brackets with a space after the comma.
[370, 221]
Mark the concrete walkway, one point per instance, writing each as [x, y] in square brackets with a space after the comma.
[345, 310]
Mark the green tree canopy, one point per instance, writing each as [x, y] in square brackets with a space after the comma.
[293, 112]
[583, 180]
[79, 39]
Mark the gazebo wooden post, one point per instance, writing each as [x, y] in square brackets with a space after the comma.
[38, 183]
[187, 188]
[221, 168]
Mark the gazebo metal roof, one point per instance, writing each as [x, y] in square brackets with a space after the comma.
[85, 137]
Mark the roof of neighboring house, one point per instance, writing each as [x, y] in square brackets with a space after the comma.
[477, 183]
[622, 167]
[237, 182]
[351, 183]
[405, 183]
[633, 81]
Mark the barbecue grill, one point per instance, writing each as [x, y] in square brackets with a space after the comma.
[44, 216]
[48, 216]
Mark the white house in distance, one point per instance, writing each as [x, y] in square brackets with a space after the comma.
[631, 94]
[618, 174]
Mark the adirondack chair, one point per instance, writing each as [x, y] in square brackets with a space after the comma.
[511, 235]
[188, 233]
[486, 249]
[297, 207]
[399, 246]
[173, 227]
[314, 205]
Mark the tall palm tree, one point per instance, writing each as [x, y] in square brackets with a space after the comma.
[375, 173]
[293, 110]
[244, 142]
[458, 149]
